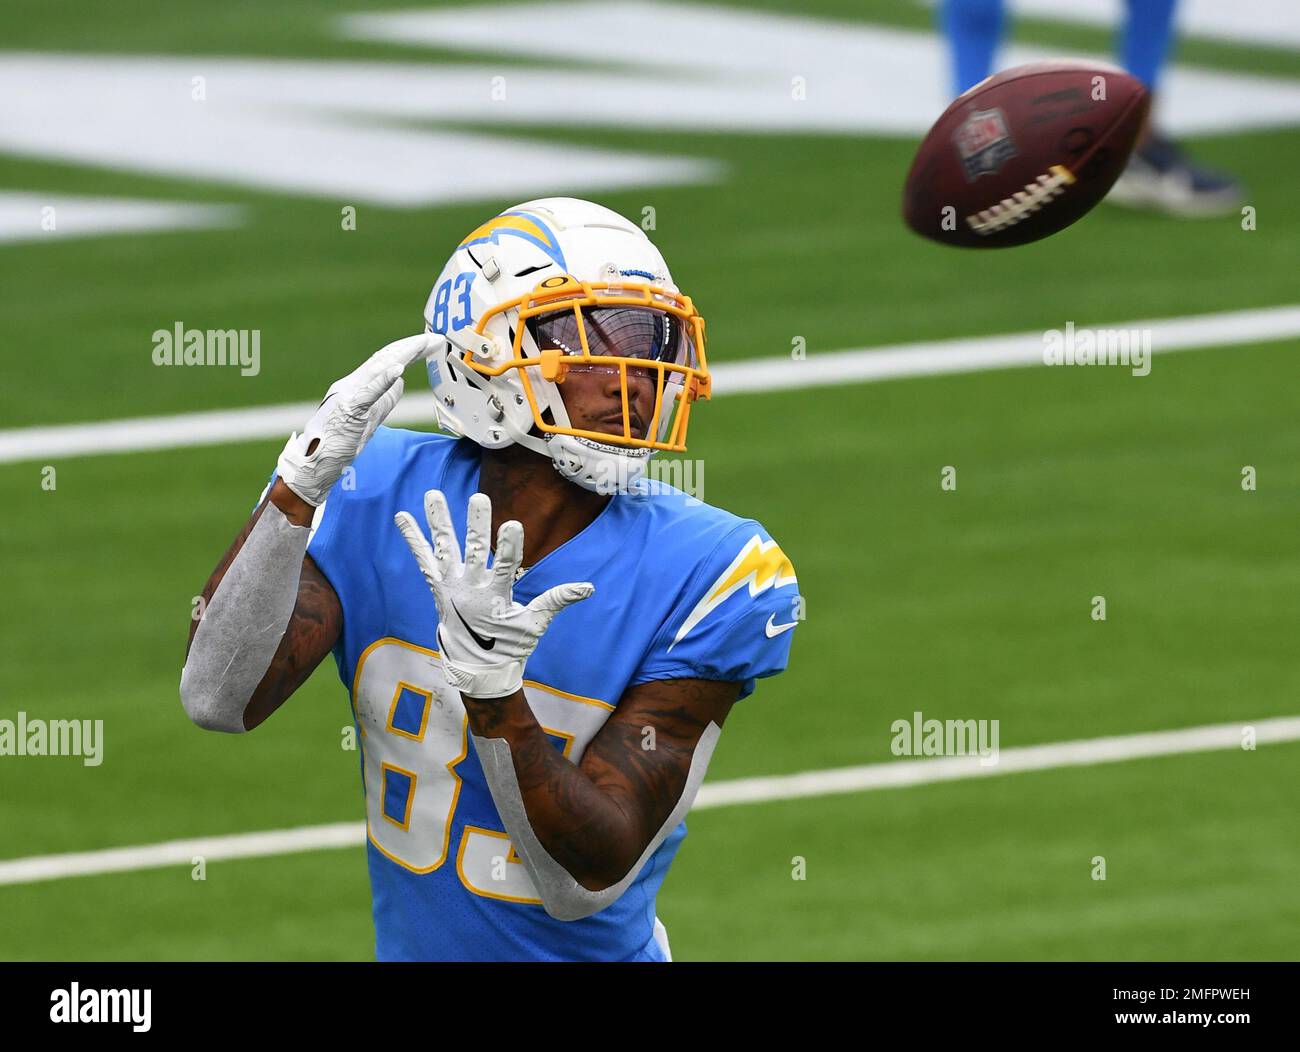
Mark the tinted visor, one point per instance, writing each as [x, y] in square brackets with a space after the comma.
[619, 332]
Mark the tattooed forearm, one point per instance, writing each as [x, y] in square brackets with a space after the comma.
[596, 818]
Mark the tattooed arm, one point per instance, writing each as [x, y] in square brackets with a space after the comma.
[313, 628]
[597, 817]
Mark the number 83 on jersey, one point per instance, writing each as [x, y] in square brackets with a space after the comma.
[414, 737]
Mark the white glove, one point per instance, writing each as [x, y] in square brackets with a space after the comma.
[484, 636]
[353, 407]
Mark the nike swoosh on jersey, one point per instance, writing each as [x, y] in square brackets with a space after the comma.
[775, 630]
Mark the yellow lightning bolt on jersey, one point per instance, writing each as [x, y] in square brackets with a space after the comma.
[760, 565]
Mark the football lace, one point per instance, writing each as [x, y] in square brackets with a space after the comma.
[1024, 203]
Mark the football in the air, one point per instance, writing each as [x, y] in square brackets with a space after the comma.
[1024, 154]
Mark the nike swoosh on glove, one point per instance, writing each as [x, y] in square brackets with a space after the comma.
[353, 407]
[484, 636]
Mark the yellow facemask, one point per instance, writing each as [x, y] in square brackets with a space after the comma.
[565, 309]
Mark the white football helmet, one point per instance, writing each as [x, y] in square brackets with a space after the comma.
[549, 286]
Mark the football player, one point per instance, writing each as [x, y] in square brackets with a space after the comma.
[541, 644]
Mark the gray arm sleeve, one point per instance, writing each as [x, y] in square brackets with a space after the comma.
[562, 896]
[244, 623]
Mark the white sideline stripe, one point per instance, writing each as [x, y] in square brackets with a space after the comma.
[182, 852]
[903, 773]
[864, 365]
[993, 352]
[898, 774]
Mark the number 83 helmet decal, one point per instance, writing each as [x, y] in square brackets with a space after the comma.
[556, 290]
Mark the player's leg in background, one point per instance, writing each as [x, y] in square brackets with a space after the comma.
[1145, 38]
[1160, 175]
[974, 31]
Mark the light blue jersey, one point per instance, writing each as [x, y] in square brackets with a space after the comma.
[682, 590]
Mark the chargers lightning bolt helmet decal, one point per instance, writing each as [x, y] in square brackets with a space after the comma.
[554, 285]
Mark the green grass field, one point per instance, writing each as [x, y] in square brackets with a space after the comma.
[968, 604]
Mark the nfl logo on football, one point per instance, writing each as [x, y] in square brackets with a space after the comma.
[983, 143]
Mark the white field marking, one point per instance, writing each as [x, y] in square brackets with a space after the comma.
[819, 369]
[267, 124]
[894, 775]
[182, 852]
[1084, 753]
[736, 67]
[935, 358]
[23, 216]
[390, 129]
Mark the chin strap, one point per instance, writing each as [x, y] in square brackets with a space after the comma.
[562, 896]
[597, 466]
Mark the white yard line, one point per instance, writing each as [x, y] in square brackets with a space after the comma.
[182, 852]
[1085, 753]
[938, 357]
[864, 365]
[893, 775]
